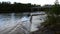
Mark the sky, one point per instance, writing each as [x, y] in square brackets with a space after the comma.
[38, 2]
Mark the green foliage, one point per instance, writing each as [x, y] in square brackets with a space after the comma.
[16, 7]
[55, 9]
[53, 20]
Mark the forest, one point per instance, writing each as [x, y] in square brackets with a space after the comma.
[15, 7]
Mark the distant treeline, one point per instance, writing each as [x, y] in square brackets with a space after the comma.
[15, 7]
[20, 7]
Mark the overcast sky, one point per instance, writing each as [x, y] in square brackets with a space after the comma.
[40, 2]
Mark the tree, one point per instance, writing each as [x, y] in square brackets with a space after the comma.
[55, 9]
[53, 20]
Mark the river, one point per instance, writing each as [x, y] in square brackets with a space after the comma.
[11, 23]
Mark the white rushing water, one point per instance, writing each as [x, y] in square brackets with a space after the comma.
[36, 20]
[10, 22]
[7, 20]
